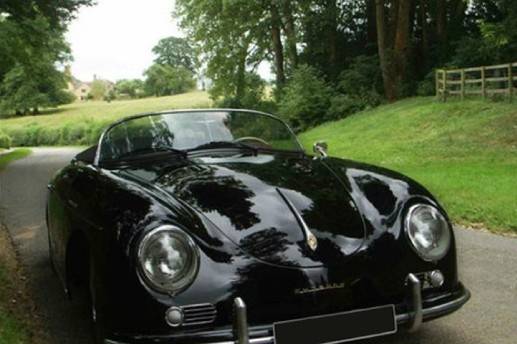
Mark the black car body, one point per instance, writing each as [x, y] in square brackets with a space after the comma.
[277, 235]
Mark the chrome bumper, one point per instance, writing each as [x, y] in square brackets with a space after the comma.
[413, 318]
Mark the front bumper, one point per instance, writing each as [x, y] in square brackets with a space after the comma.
[418, 310]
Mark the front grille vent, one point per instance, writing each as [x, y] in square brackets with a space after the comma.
[202, 314]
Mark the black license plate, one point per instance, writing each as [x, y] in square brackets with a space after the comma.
[337, 328]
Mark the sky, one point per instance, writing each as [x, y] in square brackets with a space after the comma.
[114, 39]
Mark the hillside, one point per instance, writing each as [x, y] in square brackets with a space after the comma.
[464, 152]
[81, 122]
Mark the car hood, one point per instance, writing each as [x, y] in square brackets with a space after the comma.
[268, 205]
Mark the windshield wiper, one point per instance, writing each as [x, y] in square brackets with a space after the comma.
[151, 150]
[225, 144]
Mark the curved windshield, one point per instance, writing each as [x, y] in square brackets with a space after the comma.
[195, 130]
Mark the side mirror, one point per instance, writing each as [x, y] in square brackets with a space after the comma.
[320, 149]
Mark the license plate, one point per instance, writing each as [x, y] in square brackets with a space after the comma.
[337, 328]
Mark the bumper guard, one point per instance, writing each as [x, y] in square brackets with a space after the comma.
[413, 318]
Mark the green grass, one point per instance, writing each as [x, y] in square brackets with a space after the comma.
[14, 155]
[13, 329]
[81, 123]
[463, 152]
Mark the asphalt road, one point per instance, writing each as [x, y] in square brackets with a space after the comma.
[488, 266]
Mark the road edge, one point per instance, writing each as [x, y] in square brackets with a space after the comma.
[16, 293]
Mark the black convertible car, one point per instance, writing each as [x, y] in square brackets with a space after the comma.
[214, 226]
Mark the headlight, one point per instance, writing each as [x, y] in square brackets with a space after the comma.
[428, 232]
[169, 259]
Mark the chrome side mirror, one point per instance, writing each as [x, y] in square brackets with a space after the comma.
[320, 149]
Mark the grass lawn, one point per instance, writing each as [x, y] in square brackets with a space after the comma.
[14, 155]
[464, 152]
[81, 123]
[15, 322]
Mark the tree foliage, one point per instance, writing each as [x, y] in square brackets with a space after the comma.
[233, 39]
[175, 52]
[5, 140]
[164, 80]
[407, 39]
[306, 99]
[98, 90]
[133, 88]
[58, 13]
[33, 44]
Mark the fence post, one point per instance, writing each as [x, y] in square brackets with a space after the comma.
[437, 83]
[510, 82]
[444, 72]
[462, 84]
[483, 82]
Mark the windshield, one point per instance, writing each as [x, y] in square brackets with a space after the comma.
[188, 131]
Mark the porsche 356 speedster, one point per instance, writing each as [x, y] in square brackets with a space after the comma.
[215, 226]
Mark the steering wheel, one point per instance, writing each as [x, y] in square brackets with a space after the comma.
[253, 138]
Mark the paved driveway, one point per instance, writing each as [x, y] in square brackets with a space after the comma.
[488, 266]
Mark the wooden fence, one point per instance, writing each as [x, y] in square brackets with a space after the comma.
[484, 81]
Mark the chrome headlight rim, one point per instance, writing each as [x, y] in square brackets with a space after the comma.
[186, 240]
[411, 210]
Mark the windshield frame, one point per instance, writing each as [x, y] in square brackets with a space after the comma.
[97, 160]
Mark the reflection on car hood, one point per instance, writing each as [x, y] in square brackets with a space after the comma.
[265, 204]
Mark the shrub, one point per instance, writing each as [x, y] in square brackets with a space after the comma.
[342, 105]
[66, 97]
[306, 98]
[254, 97]
[5, 140]
[427, 87]
[164, 80]
[362, 78]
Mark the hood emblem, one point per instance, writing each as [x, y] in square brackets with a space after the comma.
[310, 238]
[318, 288]
[312, 242]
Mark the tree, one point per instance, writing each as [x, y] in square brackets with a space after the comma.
[33, 44]
[235, 36]
[382, 45]
[393, 39]
[408, 37]
[58, 13]
[278, 48]
[98, 90]
[164, 80]
[176, 52]
[401, 45]
[26, 90]
[132, 88]
[306, 98]
[29, 79]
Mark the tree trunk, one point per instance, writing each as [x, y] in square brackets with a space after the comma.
[290, 33]
[392, 17]
[332, 37]
[389, 88]
[240, 88]
[441, 26]
[371, 24]
[424, 43]
[401, 47]
[278, 48]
